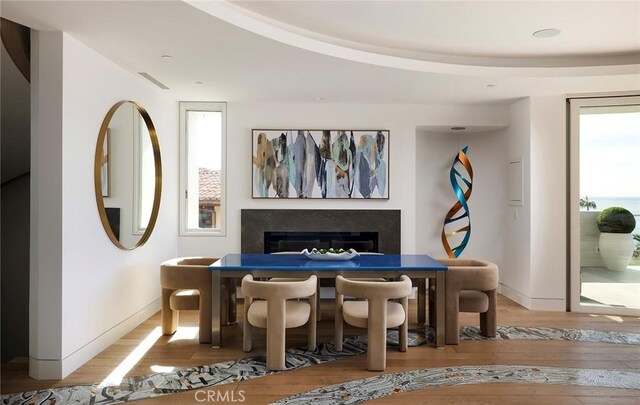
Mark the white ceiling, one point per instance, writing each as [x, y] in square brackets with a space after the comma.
[243, 56]
[472, 28]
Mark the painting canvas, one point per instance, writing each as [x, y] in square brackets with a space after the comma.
[104, 168]
[320, 164]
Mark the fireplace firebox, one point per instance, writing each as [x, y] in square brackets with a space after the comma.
[275, 242]
[271, 231]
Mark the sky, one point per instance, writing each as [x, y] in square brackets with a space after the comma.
[610, 155]
[205, 126]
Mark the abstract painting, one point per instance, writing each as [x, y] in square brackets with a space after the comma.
[320, 164]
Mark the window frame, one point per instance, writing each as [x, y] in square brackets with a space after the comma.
[183, 193]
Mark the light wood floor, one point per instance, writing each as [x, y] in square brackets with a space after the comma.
[184, 353]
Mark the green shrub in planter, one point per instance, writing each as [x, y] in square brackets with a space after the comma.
[616, 220]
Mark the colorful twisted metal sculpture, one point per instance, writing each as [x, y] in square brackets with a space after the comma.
[460, 211]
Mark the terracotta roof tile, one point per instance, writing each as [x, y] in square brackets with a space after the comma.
[210, 184]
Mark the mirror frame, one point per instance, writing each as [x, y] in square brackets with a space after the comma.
[97, 178]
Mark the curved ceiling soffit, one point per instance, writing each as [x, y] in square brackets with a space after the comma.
[414, 61]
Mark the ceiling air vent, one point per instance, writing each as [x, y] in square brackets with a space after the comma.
[153, 80]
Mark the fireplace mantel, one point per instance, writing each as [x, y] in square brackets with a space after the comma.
[255, 222]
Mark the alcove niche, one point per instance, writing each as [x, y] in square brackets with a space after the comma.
[436, 149]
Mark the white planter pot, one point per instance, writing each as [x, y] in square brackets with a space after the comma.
[616, 250]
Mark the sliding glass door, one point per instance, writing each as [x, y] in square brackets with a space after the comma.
[604, 205]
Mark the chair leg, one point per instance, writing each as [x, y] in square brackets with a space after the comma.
[311, 338]
[432, 305]
[204, 315]
[488, 320]
[318, 302]
[403, 330]
[422, 300]
[276, 322]
[377, 335]
[452, 308]
[169, 316]
[339, 322]
[231, 301]
[224, 302]
[246, 326]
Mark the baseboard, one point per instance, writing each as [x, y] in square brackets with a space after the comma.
[534, 304]
[45, 369]
[548, 304]
[59, 369]
[514, 295]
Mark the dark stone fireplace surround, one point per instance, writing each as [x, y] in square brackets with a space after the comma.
[255, 222]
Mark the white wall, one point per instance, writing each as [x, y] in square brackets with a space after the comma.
[434, 196]
[535, 234]
[45, 261]
[401, 120]
[86, 293]
[548, 202]
[514, 275]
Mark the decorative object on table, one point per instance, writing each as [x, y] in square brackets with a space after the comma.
[461, 178]
[330, 254]
[320, 164]
[616, 243]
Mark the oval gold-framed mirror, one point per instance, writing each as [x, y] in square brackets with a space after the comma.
[128, 174]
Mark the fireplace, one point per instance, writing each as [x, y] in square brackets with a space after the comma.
[270, 231]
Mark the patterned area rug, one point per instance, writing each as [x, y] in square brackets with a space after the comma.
[159, 384]
[426, 335]
[367, 389]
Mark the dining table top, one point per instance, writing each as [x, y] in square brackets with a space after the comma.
[292, 262]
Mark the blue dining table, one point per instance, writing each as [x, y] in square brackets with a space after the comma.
[417, 267]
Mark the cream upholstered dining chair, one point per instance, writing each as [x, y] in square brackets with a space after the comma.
[277, 312]
[376, 314]
[280, 279]
[470, 286]
[186, 285]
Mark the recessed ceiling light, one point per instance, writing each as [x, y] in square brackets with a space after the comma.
[458, 128]
[547, 33]
[319, 98]
[167, 57]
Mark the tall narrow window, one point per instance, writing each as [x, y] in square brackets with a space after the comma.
[202, 146]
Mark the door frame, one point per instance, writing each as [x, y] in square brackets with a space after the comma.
[573, 203]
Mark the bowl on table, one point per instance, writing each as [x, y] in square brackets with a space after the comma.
[330, 254]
